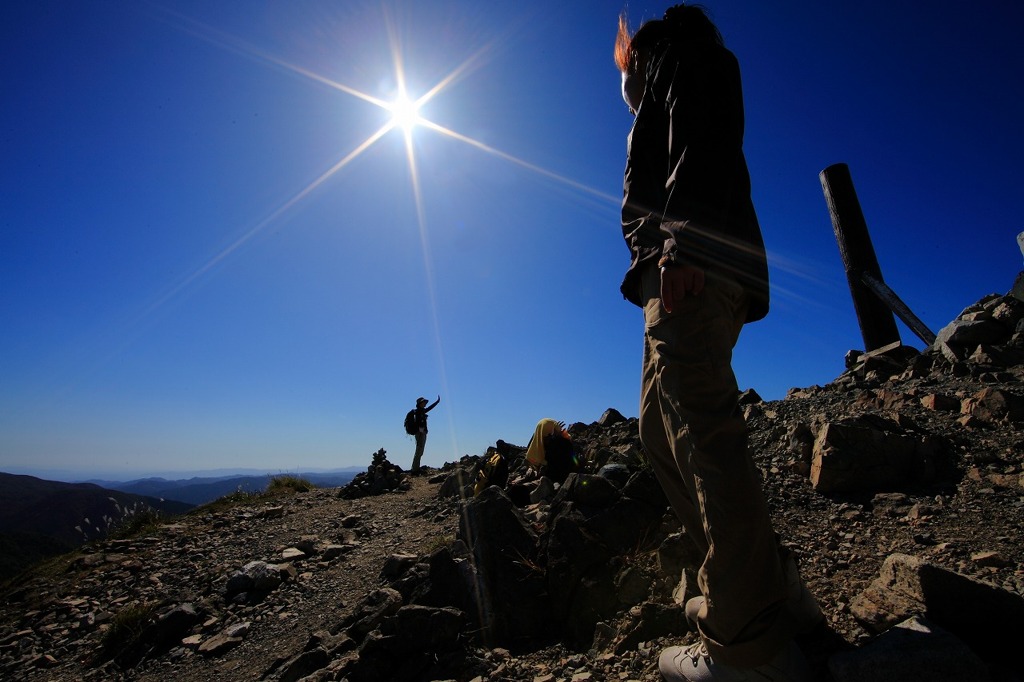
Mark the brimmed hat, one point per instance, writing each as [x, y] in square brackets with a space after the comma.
[421, 400]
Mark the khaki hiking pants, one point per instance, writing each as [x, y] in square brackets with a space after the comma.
[696, 437]
[421, 442]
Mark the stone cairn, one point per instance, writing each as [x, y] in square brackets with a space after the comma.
[380, 477]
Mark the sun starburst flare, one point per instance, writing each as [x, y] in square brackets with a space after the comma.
[404, 116]
[405, 113]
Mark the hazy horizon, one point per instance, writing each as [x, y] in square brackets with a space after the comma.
[124, 476]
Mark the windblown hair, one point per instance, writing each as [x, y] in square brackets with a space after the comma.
[682, 22]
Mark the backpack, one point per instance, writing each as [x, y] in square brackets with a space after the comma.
[493, 472]
[410, 423]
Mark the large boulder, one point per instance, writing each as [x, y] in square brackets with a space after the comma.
[869, 453]
[856, 455]
[987, 617]
[509, 594]
[913, 650]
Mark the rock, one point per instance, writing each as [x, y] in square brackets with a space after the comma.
[320, 650]
[589, 490]
[397, 564]
[445, 578]
[255, 576]
[308, 545]
[43, 661]
[994, 405]
[617, 474]
[750, 397]
[611, 417]
[293, 554]
[676, 554]
[543, 491]
[371, 612]
[239, 630]
[913, 650]
[172, 626]
[881, 363]
[1017, 291]
[941, 403]
[651, 620]
[272, 512]
[990, 559]
[510, 592]
[1009, 311]
[975, 611]
[428, 629]
[800, 442]
[856, 455]
[304, 665]
[219, 644]
[632, 586]
[333, 551]
[588, 529]
[963, 335]
[643, 486]
[458, 484]
[418, 643]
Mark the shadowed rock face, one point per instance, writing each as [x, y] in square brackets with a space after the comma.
[897, 485]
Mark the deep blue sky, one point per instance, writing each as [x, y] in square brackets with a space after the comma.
[184, 284]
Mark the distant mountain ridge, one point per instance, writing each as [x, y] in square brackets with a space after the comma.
[200, 490]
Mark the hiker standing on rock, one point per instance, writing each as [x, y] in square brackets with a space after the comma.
[699, 271]
[419, 429]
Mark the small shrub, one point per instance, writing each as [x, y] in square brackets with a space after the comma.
[126, 627]
[282, 484]
[285, 483]
[238, 498]
[440, 542]
[138, 523]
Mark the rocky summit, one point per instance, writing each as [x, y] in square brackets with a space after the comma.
[897, 488]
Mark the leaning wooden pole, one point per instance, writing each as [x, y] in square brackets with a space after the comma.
[889, 297]
[877, 324]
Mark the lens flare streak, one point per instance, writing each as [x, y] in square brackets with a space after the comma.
[404, 116]
[412, 119]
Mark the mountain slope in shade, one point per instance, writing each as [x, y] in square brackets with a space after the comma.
[40, 518]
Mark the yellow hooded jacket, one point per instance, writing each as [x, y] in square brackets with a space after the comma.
[535, 452]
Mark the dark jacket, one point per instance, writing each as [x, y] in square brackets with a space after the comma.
[686, 190]
[419, 419]
[420, 416]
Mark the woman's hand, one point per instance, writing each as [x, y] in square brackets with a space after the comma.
[677, 281]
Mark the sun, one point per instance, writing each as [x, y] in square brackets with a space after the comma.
[405, 112]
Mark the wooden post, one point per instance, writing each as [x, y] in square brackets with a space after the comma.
[877, 324]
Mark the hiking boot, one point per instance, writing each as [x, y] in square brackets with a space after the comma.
[802, 607]
[694, 664]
